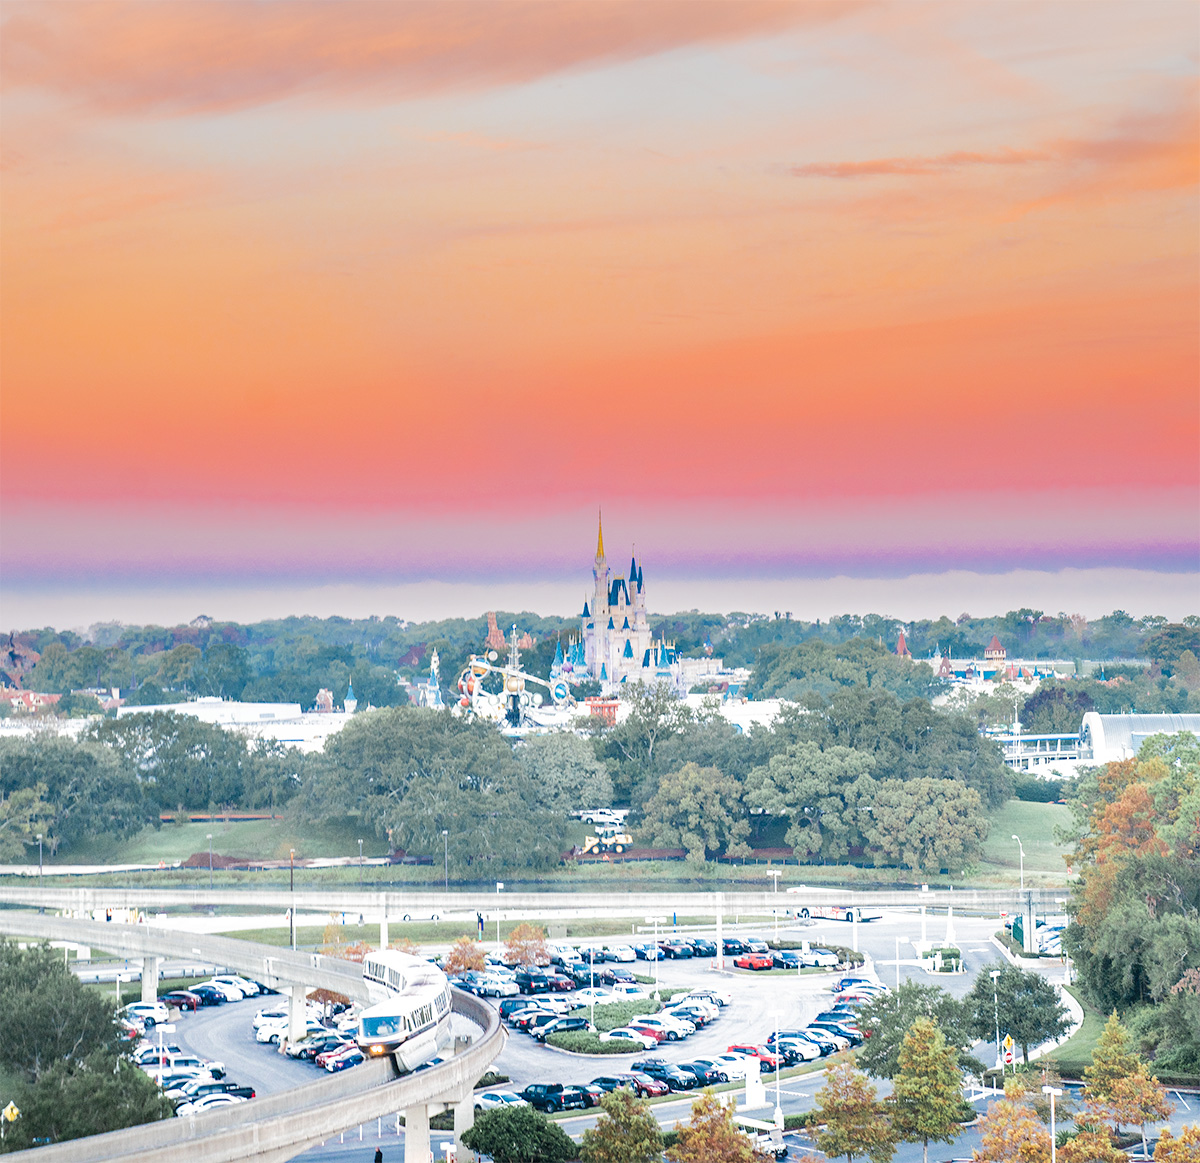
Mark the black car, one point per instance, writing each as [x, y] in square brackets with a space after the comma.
[532, 981]
[664, 1071]
[584, 975]
[624, 976]
[733, 946]
[705, 1075]
[308, 1049]
[510, 1005]
[701, 947]
[608, 1082]
[209, 995]
[676, 949]
[206, 1088]
[698, 1018]
[553, 1096]
[561, 1026]
[785, 958]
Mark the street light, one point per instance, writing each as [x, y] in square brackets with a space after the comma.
[995, 975]
[292, 890]
[446, 857]
[360, 868]
[775, 874]
[499, 886]
[1022, 848]
[210, 861]
[41, 908]
[1053, 1093]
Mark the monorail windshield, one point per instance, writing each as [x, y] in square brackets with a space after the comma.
[381, 1025]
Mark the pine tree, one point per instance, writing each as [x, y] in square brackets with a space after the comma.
[625, 1133]
[854, 1122]
[1012, 1132]
[711, 1136]
[927, 1092]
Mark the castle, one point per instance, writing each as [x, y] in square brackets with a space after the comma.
[616, 642]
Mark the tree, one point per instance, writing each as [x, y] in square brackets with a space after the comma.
[926, 1097]
[925, 824]
[1029, 1007]
[888, 1018]
[1011, 1132]
[518, 1135]
[1138, 1099]
[699, 809]
[1112, 1060]
[1091, 1145]
[855, 1123]
[465, 954]
[626, 1132]
[1185, 1149]
[565, 770]
[710, 1136]
[526, 945]
[22, 815]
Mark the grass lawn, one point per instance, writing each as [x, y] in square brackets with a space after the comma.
[1035, 824]
[251, 839]
[1076, 1052]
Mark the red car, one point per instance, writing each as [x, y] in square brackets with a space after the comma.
[754, 961]
[656, 1034]
[182, 999]
[769, 1060]
[560, 983]
[645, 1086]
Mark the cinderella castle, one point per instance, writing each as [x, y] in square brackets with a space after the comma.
[616, 644]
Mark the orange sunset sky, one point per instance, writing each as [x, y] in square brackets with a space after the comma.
[317, 294]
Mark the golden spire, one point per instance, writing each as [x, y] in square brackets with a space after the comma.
[599, 536]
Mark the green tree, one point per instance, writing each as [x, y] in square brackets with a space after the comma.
[565, 770]
[655, 714]
[926, 1101]
[855, 1123]
[1029, 1006]
[627, 1132]
[890, 1016]
[699, 809]
[90, 1096]
[710, 1136]
[820, 792]
[1112, 1060]
[925, 824]
[23, 814]
[518, 1135]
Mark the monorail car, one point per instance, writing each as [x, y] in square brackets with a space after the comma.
[411, 1018]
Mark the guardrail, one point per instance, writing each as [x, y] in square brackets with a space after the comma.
[278, 1126]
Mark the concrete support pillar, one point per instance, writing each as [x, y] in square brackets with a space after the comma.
[720, 930]
[1029, 924]
[383, 933]
[416, 1134]
[297, 1014]
[924, 931]
[464, 1119]
[149, 979]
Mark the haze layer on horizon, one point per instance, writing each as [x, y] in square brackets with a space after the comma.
[302, 295]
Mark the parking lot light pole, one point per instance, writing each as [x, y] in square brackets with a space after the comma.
[292, 890]
[360, 867]
[995, 975]
[499, 886]
[775, 874]
[446, 858]
[41, 908]
[1022, 848]
[210, 862]
[1053, 1093]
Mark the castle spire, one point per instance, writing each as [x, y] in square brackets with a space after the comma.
[599, 536]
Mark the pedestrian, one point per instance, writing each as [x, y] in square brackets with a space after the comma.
[378, 1155]
[479, 919]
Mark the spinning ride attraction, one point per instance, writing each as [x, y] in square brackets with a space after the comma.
[502, 694]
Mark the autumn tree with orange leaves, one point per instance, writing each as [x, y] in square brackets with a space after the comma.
[1011, 1131]
[465, 954]
[1135, 913]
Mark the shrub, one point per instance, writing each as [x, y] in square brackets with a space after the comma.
[609, 1017]
[580, 1042]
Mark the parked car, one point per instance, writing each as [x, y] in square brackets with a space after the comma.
[675, 1028]
[193, 1064]
[511, 1005]
[734, 1065]
[797, 1050]
[656, 1032]
[819, 958]
[208, 1102]
[564, 1026]
[495, 1099]
[732, 946]
[706, 1075]
[224, 988]
[698, 1017]
[243, 985]
[494, 985]
[198, 1087]
[534, 1025]
[717, 995]
[629, 992]
[182, 999]
[853, 1033]
[676, 949]
[151, 1054]
[785, 959]
[307, 1049]
[600, 997]
[754, 961]
[607, 1082]
[209, 995]
[623, 976]
[532, 981]
[645, 1086]
[756, 945]
[552, 1096]
[149, 1013]
[560, 982]
[675, 1078]
[703, 1005]
[711, 1067]
[703, 947]
[648, 951]
[351, 1056]
[768, 1058]
[621, 953]
[591, 1094]
[324, 1059]
[840, 1040]
[585, 974]
[636, 1039]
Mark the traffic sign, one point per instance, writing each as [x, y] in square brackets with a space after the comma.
[1008, 1042]
[10, 1113]
[1008, 1057]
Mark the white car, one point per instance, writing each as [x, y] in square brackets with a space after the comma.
[495, 1099]
[621, 953]
[733, 1065]
[673, 1028]
[800, 1047]
[703, 1005]
[227, 991]
[272, 1033]
[601, 997]
[819, 958]
[207, 1103]
[242, 985]
[149, 1053]
[150, 1013]
[493, 985]
[635, 1039]
[279, 1013]
[623, 991]
[716, 995]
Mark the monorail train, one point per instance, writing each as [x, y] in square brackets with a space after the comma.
[411, 1019]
